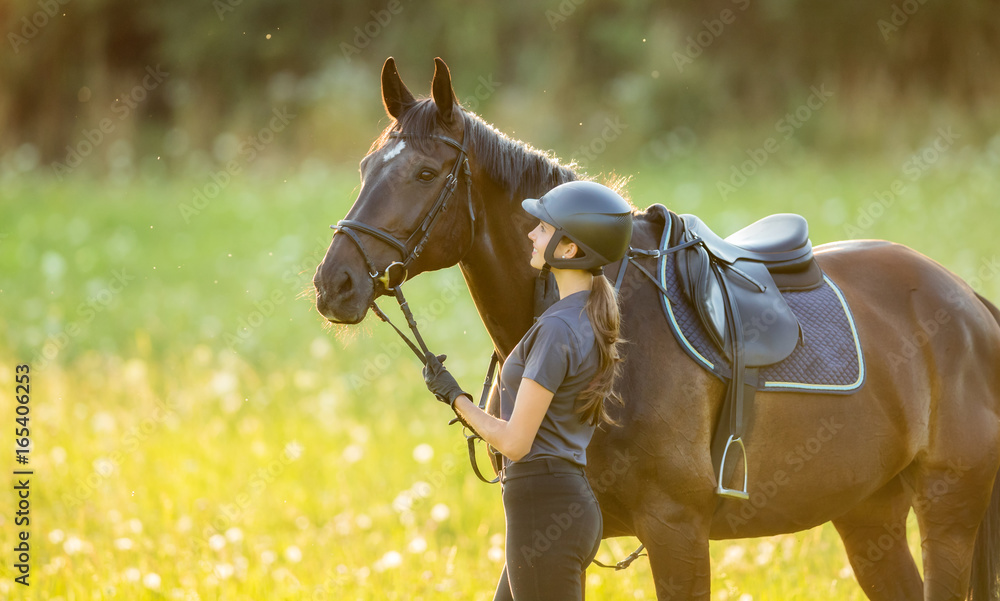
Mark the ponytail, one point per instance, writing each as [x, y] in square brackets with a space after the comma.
[605, 319]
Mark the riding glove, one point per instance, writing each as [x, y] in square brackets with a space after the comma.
[440, 382]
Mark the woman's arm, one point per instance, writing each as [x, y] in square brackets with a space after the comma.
[512, 438]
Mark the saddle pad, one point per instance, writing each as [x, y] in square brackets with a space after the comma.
[828, 359]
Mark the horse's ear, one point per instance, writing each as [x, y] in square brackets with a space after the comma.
[442, 92]
[395, 95]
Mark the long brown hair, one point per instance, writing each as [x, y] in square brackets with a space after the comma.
[605, 319]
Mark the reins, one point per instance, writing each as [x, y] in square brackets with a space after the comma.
[471, 436]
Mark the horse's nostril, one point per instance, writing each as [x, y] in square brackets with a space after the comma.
[344, 283]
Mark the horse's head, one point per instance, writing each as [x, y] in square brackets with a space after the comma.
[415, 172]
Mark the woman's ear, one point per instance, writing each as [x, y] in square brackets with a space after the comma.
[569, 250]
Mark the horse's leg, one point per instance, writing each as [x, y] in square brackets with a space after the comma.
[676, 539]
[949, 509]
[874, 534]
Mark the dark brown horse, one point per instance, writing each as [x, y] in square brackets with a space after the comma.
[922, 433]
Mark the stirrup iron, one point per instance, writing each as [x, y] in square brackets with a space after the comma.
[731, 492]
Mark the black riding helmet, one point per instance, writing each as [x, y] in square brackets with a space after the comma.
[593, 216]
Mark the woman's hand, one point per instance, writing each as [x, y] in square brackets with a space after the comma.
[440, 382]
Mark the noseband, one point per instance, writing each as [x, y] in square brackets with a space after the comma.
[352, 227]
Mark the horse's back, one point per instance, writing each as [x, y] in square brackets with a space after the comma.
[897, 276]
[932, 393]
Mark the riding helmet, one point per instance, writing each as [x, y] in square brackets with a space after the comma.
[593, 216]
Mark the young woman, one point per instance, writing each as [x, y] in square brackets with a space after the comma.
[552, 391]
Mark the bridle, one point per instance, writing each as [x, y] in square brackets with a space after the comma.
[390, 277]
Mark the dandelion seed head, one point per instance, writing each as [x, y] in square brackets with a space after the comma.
[391, 559]
[73, 545]
[423, 453]
[217, 542]
[293, 554]
[123, 543]
[151, 581]
[417, 545]
[353, 453]
[440, 512]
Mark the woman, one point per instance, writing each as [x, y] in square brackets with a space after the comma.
[552, 391]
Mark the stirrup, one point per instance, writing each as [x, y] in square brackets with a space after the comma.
[731, 492]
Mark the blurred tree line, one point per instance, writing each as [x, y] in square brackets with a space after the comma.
[182, 82]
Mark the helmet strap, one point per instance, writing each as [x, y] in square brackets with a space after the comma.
[546, 291]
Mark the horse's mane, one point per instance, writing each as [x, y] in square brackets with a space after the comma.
[514, 165]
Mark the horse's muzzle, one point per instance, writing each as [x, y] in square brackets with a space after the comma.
[341, 298]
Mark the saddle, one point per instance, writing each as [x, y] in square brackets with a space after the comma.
[740, 274]
[735, 286]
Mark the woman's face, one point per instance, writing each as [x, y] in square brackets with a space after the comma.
[540, 237]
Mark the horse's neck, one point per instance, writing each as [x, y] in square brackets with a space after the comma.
[497, 270]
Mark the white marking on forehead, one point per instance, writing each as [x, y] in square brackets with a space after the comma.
[398, 148]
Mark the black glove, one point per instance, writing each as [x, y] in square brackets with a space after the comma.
[440, 382]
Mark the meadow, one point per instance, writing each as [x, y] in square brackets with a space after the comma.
[199, 432]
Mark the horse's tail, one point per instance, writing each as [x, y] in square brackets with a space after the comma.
[985, 582]
[989, 307]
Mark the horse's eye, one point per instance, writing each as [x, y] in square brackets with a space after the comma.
[426, 175]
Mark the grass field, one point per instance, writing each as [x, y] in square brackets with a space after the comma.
[199, 433]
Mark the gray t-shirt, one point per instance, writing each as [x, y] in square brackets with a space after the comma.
[557, 352]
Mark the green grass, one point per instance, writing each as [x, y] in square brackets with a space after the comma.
[199, 433]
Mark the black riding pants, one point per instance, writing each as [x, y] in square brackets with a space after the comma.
[553, 532]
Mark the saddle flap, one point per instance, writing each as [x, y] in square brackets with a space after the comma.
[701, 286]
[770, 329]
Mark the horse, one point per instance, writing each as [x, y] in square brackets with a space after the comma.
[921, 433]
